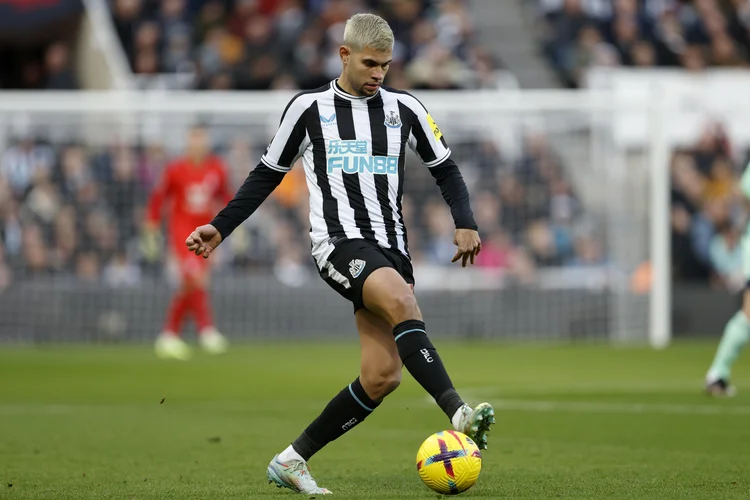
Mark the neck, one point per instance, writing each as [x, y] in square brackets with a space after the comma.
[346, 86]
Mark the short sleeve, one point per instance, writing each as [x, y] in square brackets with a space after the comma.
[290, 139]
[425, 137]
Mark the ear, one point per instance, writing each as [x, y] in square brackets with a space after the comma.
[344, 54]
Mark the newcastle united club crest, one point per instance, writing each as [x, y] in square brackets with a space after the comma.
[393, 120]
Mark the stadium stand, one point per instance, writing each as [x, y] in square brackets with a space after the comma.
[37, 44]
[75, 210]
[579, 34]
[290, 44]
[708, 214]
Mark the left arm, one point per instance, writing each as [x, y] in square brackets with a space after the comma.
[427, 141]
[455, 193]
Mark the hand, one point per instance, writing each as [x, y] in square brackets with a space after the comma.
[469, 245]
[151, 242]
[203, 240]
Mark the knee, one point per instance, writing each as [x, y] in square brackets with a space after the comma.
[378, 383]
[404, 308]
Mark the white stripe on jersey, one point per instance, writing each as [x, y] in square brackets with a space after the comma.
[335, 179]
[390, 104]
[321, 249]
[361, 117]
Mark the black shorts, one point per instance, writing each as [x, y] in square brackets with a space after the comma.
[353, 260]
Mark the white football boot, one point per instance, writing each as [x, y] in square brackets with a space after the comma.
[476, 422]
[295, 475]
[170, 346]
[212, 341]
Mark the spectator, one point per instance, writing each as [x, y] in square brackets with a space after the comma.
[60, 74]
[579, 34]
[258, 45]
[706, 211]
[726, 258]
[71, 209]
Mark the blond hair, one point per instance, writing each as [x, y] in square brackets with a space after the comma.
[368, 30]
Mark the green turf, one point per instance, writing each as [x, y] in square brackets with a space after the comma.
[573, 422]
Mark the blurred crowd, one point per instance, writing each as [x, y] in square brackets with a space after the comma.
[692, 34]
[76, 211]
[709, 212]
[47, 67]
[292, 44]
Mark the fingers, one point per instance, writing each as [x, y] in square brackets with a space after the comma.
[195, 244]
[457, 256]
[466, 255]
[193, 241]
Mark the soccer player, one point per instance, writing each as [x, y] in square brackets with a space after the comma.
[737, 331]
[352, 135]
[190, 188]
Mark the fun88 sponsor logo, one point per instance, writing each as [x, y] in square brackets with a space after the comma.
[351, 158]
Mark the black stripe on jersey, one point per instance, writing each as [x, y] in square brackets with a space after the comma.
[291, 148]
[403, 110]
[380, 148]
[330, 205]
[424, 148]
[423, 145]
[347, 132]
[304, 92]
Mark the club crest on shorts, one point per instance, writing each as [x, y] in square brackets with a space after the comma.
[356, 266]
[393, 120]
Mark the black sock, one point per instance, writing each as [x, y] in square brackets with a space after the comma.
[423, 362]
[350, 406]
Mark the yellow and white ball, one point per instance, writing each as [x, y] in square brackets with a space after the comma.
[449, 462]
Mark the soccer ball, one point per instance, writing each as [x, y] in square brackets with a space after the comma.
[449, 462]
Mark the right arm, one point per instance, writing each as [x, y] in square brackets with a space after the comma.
[257, 187]
[161, 192]
[288, 144]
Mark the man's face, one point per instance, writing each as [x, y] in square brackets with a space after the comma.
[365, 69]
[197, 143]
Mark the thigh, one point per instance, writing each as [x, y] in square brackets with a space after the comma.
[387, 294]
[193, 269]
[349, 266]
[402, 264]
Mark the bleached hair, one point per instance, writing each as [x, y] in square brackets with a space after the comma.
[368, 30]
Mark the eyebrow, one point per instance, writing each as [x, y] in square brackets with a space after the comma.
[368, 60]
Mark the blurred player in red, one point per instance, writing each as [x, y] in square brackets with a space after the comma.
[191, 189]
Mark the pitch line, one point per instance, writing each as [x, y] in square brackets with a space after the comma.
[542, 406]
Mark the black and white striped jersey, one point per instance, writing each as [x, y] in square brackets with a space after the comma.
[353, 152]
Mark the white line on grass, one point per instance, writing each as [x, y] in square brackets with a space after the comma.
[622, 408]
[532, 405]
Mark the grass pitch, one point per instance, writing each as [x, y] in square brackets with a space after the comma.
[573, 422]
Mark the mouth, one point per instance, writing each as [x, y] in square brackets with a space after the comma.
[372, 86]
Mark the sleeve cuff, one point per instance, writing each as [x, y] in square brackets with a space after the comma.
[272, 165]
[437, 161]
[223, 226]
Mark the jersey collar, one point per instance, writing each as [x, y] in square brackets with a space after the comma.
[346, 95]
